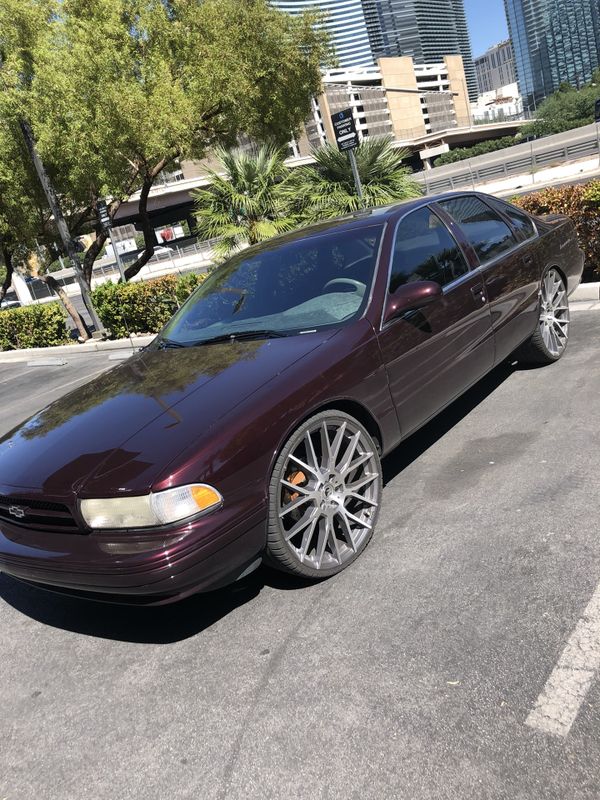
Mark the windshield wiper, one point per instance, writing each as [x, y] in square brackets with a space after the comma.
[165, 343]
[236, 336]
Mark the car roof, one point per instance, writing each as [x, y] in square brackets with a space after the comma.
[359, 219]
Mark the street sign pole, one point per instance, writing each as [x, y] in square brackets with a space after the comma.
[346, 137]
[357, 183]
[106, 223]
[117, 254]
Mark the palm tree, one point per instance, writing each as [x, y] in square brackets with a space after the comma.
[327, 189]
[245, 202]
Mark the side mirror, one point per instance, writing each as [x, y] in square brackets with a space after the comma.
[410, 297]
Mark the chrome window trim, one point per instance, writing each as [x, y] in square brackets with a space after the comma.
[462, 279]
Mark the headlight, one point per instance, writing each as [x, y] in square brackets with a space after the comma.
[150, 510]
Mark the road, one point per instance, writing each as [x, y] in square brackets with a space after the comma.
[409, 676]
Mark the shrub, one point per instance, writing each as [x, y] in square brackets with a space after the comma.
[460, 153]
[33, 326]
[186, 285]
[144, 306]
[581, 203]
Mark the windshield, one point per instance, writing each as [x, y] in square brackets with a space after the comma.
[294, 287]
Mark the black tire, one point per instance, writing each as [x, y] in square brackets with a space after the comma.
[550, 338]
[330, 503]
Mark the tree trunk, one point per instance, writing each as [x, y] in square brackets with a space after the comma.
[92, 254]
[147, 227]
[64, 298]
[9, 266]
[59, 221]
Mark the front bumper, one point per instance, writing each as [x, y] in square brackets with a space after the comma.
[203, 555]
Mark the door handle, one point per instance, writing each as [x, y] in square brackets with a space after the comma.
[527, 260]
[478, 290]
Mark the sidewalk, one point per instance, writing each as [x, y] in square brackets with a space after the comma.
[75, 349]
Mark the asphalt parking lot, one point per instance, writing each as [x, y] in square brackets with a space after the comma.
[456, 659]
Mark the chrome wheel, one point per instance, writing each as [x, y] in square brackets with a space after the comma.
[328, 492]
[554, 313]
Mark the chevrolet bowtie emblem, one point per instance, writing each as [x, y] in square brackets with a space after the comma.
[16, 511]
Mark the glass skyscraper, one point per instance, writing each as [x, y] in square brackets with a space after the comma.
[427, 30]
[554, 41]
[346, 25]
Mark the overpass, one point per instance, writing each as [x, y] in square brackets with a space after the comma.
[171, 202]
[522, 159]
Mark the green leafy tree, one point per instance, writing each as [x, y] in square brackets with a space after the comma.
[23, 212]
[567, 108]
[327, 189]
[245, 202]
[123, 89]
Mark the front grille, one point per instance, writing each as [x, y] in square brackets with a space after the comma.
[37, 514]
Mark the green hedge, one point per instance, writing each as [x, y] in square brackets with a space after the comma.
[490, 146]
[33, 326]
[580, 202]
[144, 306]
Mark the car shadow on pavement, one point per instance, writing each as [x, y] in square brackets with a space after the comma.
[179, 621]
[148, 625]
[415, 445]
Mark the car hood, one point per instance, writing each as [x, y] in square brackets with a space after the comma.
[119, 430]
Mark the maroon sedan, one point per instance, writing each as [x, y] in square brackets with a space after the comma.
[253, 426]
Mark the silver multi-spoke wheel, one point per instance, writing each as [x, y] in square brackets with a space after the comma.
[554, 313]
[326, 491]
[551, 334]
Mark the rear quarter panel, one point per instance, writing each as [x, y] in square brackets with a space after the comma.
[559, 247]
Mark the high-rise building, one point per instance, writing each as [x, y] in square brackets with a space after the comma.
[346, 24]
[425, 30]
[554, 41]
[495, 68]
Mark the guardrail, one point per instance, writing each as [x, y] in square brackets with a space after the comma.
[521, 159]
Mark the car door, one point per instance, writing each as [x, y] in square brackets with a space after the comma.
[433, 354]
[504, 240]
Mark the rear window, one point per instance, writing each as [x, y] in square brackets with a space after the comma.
[489, 235]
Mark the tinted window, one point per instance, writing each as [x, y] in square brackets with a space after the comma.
[488, 234]
[304, 283]
[424, 250]
[521, 222]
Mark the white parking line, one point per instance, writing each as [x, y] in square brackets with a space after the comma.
[559, 703]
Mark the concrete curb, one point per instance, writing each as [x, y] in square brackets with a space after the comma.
[12, 356]
[586, 291]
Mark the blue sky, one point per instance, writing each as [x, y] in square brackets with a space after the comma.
[487, 23]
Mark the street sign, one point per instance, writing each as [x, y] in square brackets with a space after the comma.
[103, 215]
[345, 131]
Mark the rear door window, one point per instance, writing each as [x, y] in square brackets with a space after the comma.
[489, 235]
[523, 225]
